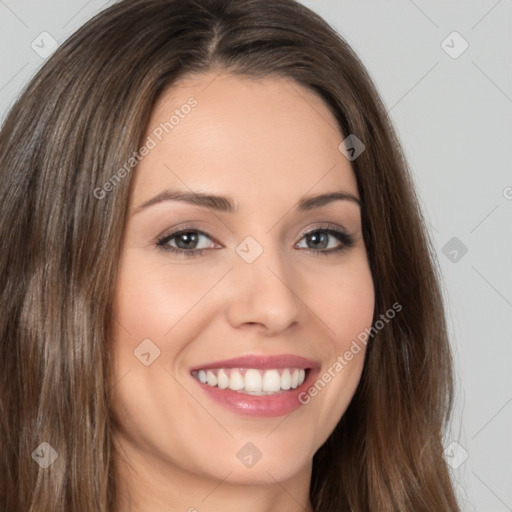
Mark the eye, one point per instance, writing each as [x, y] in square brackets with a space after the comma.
[189, 241]
[326, 240]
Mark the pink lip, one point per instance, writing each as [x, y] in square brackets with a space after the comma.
[263, 362]
[261, 405]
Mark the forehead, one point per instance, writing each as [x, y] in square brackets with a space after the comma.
[254, 139]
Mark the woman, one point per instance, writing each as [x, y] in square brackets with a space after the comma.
[217, 290]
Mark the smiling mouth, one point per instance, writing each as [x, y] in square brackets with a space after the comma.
[253, 381]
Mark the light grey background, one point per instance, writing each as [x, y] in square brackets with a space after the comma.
[454, 116]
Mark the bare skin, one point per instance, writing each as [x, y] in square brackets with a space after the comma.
[265, 144]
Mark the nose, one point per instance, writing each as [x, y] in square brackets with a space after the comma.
[263, 295]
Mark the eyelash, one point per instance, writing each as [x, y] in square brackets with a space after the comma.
[346, 240]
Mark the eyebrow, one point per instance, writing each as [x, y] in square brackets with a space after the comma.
[226, 204]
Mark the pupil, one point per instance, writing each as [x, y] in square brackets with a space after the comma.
[318, 240]
[186, 240]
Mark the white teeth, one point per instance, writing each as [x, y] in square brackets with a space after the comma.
[271, 381]
[286, 379]
[236, 381]
[252, 381]
[211, 378]
[294, 380]
[222, 379]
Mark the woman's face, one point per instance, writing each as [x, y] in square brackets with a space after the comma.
[261, 276]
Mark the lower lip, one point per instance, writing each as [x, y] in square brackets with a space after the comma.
[260, 405]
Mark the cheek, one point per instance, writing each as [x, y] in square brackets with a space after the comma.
[349, 303]
[344, 299]
[342, 296]
[152, 300]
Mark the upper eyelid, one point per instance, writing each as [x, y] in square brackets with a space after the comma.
[173, 234]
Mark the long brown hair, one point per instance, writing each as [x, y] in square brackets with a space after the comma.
[78, 121]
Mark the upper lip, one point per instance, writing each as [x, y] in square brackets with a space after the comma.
[265, 362]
